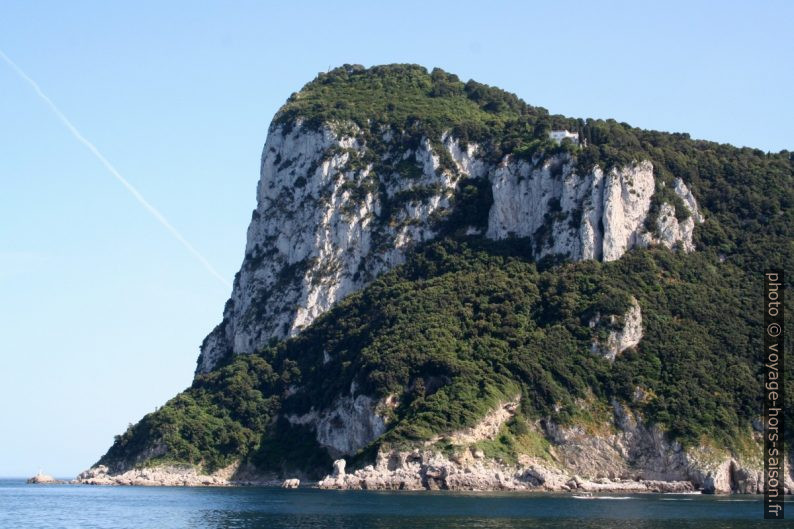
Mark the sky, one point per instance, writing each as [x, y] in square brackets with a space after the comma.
[103, 307]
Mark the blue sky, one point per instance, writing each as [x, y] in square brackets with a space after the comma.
[102, 310]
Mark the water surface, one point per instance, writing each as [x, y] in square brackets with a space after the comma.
[88, 507]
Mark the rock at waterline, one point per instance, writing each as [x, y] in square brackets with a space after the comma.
[339, 469]
[291, 483]
[44, 479]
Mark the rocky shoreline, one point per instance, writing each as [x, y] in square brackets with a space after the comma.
[418, 471]
[434, 472]
[486, 479]
[620, 453]
[624, 456]
[428, 470]
[175, 476]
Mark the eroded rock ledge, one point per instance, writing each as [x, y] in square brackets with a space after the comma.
[429, 470]
[176, 476]
[623, 455]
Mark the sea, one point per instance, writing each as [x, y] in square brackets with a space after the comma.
[87, 507]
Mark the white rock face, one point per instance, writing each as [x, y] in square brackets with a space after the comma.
[689, 200]
[327, 223]
[175, 476]
[619, 340]
[627, 199]
[317, 234]
[291, 483]
[673, 232]
[349, 424]
[339, 468]
[594, 216]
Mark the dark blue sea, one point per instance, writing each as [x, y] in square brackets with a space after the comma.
[85, 507]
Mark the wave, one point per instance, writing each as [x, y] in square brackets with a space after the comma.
[603, 497]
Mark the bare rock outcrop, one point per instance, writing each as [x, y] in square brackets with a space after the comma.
[327, 224]
[44, 479]
[618, 340]
[350, 423]
[292, 483]
[430, 470]
[624, 455]
[174, 476]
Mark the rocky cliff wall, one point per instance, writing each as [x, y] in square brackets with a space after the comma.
[334, 211]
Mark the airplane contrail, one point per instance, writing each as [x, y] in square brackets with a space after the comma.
[127, 185]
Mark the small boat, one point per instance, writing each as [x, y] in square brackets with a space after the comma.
[584, 496]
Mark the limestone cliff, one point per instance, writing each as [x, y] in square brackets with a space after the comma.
[327, 223]
[618, 340]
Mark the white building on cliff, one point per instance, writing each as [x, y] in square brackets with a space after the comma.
[559, 135]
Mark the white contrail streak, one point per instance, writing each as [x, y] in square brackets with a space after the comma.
[128, 186]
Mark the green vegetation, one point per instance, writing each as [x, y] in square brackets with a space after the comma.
[220, 418]
[400, 95]
[467, 322]
[514, 439]
[463, 325]
[412, 102]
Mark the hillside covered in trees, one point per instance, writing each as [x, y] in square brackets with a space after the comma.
[466, 323]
